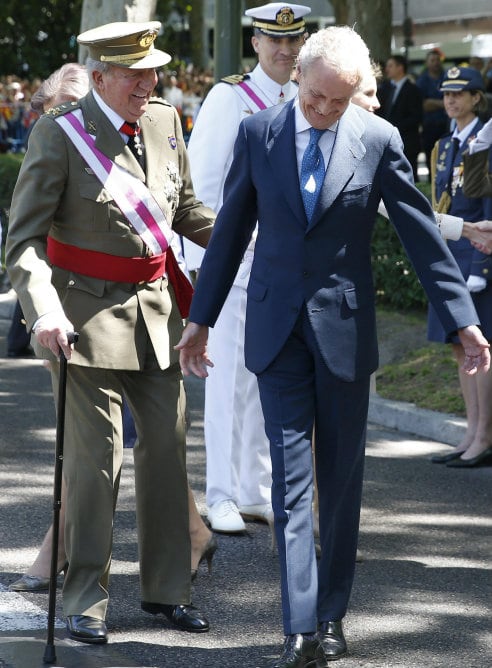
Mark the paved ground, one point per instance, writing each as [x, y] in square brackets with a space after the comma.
[421, 596]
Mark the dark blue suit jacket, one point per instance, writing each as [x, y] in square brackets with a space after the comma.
[326, 264]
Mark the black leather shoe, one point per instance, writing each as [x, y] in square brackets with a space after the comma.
[87, 629]
[483, 459]
[300, 651]
[444, 459]
[332, 640]
[184, 617]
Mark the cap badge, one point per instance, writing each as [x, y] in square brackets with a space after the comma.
[146, 39]
[285, 16]
[453, 73]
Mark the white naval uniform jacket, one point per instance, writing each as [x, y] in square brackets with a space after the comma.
[211, 145]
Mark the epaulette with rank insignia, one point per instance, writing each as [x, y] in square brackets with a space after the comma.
[160, 100]
[61, 109]
[235, 78]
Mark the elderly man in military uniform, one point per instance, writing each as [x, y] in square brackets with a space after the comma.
[103, 189]
[238, 461]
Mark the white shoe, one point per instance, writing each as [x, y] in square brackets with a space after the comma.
[224, 516]
[262, 512]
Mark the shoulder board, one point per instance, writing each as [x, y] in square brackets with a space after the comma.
[234, 78]
[61, 109]
[160, 100]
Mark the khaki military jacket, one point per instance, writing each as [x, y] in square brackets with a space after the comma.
[57, 194]
[477, 177]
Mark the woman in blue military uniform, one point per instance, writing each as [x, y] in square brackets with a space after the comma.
[463, 100]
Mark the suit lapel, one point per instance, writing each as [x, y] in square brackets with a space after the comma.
[347, 152]
[281, 151]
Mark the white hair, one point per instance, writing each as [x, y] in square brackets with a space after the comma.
[93, 65]
[70, 81]
[341, 48]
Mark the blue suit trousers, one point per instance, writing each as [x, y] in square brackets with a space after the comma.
[297, 392]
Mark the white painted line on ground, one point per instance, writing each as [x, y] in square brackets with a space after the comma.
[19, 614]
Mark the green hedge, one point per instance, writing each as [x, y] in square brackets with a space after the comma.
[396, 282]
[9, 169]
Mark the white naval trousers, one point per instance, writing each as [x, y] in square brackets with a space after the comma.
[238, 457]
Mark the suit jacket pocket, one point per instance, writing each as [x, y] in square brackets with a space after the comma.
[356, 195]
[96, 200]
[65, 281]
[256, 290]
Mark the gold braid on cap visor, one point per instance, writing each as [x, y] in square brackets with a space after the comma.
[453, 82]
[279, 28]
[129, 57]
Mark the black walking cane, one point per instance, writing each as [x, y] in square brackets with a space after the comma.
[49, 652]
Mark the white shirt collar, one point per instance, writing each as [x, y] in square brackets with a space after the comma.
[268, 85]
[465, 132]
[113, 117]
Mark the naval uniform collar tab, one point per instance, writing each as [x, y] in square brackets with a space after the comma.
[268, 85]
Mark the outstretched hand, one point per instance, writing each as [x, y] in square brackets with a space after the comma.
[476, 349]
[193, 356]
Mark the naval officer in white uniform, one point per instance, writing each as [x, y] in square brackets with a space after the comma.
[238, 460]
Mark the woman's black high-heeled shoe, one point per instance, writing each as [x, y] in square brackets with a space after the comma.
[208, 555]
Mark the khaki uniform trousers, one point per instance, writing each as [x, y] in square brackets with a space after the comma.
[93, 453]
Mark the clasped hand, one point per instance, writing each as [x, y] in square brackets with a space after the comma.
[480, 235]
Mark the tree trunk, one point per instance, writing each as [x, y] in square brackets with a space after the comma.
[373, 23]
[99, 12]
[341, 11]
[196, 19]
[372, 20]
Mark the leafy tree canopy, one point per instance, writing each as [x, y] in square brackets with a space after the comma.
[38, 36]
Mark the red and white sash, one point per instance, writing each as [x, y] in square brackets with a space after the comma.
[131, 195]
[133, 198]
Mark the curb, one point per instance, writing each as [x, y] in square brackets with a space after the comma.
[403, 416]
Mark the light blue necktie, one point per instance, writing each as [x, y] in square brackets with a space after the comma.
[312, 172]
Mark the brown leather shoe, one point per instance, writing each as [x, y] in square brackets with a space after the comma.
[300, 652]
[332, 640]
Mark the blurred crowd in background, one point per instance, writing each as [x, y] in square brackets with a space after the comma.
[185, 88]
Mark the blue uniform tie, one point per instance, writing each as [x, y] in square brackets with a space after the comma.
[312, 172]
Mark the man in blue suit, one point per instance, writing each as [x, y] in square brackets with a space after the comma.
[310, 321]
